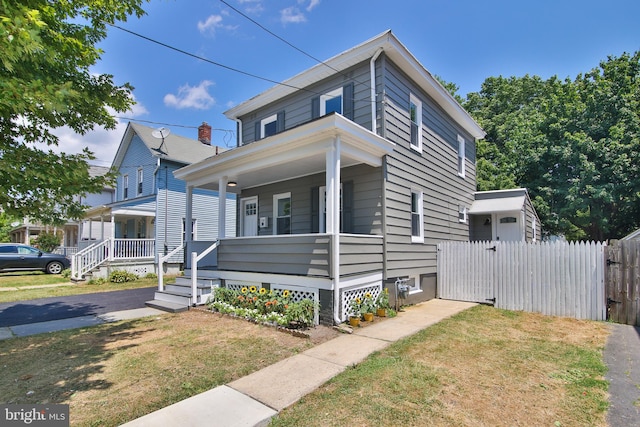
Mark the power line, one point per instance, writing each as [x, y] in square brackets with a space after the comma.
[184, 52]
[290, 44]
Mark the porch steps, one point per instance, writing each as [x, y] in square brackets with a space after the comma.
[167, 306]
[179, 294]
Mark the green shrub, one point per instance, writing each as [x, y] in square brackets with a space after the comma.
[47, 241]
[151, 276]
[97, 281]
[66, 273]
[122, 276]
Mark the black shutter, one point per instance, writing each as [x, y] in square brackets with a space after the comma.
[258, 131]
[315, 107]
[280, 122]
[348, 101]
[347, 207]
[315, 209]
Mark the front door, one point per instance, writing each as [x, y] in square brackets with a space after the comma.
[249, 209]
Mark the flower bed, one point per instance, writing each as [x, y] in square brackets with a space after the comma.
[266, 306]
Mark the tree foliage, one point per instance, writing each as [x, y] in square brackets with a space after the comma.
[46, 83]
[575, 144]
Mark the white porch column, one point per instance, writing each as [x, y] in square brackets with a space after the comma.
[222, 206]
[333, 219]
[188, 216]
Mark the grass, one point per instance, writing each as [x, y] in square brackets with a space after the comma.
[113, 373]
[20, 287]
[481, 367]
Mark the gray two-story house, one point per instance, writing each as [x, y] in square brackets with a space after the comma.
[347, 176]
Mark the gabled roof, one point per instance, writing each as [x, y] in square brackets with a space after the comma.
[632, 236]
[173, 147]
[499, 201]
[396, 51]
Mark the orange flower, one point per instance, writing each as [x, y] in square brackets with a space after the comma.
[286, 306]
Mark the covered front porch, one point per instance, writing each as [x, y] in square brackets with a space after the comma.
[282, 249]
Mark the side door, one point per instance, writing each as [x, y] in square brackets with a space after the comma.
[249, 216]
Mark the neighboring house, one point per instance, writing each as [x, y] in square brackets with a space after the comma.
[72, 232]
[347, 177]
[505, 215]
[146, 219]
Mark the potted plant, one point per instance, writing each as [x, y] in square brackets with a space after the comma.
[356, 312]
[368, 307]
[382, 303]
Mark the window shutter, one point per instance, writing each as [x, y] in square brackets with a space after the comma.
[257, 131]
[315, 107]
[348, 101]
[280, 122]
[315, 209]
[347, 207]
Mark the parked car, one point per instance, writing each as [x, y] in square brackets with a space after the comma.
[17, 257]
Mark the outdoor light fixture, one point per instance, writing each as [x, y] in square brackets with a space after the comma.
[232, 183]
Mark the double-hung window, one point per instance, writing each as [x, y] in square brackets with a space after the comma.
[282, 213]
[331, 102]
[194, 233]
[461, 155]
[140, 176]
[268, 126]
[417, 229]
[125, 187]
[415, 114]
[462, 214]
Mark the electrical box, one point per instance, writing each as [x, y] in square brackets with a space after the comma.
[264, 222]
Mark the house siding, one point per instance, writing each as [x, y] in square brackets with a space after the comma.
[433, 171]
[297, 106]
[137, 157]
[367, 214]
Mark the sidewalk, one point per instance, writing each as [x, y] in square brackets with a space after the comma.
[253, 400]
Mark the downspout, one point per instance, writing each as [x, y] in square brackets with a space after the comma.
[372, 70]
[239, 124]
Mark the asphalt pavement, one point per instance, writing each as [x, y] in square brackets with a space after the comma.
[74, 306]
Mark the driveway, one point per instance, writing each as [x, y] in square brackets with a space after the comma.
[57, 308]
[622, 357]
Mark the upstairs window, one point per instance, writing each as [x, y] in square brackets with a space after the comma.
[331, 102]
[125, 187]
[417, 231]
[268, 126]
[415, 114]
[461, 155]
[339, 101]
[140, 176]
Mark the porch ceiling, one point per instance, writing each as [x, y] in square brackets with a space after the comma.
[296, 152]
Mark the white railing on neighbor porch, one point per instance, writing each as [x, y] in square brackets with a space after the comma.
[97, 254]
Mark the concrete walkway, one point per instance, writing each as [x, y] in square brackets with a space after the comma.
[253, 400]
[622, 357]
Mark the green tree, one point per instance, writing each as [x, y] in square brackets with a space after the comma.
[574, 144]
[5, 227]
[47, 50]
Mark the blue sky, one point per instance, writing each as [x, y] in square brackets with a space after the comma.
[463, 41]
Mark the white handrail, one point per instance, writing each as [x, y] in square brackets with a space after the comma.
[161, 261]
[194, 269]
[89, 258]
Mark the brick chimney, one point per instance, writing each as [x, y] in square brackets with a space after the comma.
[204, 133]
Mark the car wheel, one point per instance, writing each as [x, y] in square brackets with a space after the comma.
[55, 267]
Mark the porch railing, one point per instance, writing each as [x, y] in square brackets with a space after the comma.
[98, 253]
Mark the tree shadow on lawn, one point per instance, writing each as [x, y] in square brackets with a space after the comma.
[50, 368]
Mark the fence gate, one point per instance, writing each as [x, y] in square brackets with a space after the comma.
[622, 280]
[559, 278]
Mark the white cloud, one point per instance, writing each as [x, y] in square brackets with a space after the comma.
[196, 97]
[312, 5]
[292, 15]
[212, 24]
[252, 6]
[103, 143]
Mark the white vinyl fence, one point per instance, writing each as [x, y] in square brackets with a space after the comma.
[553, 278]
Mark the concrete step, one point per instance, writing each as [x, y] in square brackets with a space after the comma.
[186, 280]
[167, 306]
[174, 297]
